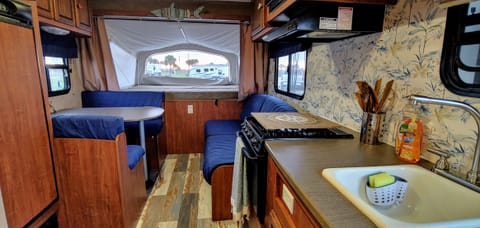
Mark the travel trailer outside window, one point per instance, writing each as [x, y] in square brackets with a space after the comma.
[460, 68]
[290, 73]
[58, 75]
[188, 64]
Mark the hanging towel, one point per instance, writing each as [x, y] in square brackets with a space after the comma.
[239, 198]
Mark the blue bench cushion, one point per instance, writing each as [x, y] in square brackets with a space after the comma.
[274, 104]
[135, 154]
[219, 150]
[128, 99]
[87, 126]
[222, 127]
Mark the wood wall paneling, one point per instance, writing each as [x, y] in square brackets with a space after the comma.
[185, 132]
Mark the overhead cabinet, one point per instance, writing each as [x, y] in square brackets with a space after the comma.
[259, 20]
[275, 8]
[281, 16]
[72, 15]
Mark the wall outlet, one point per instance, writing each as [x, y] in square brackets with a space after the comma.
[190, 109]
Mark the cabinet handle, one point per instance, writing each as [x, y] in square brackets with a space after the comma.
[80, 6]
[259, 6]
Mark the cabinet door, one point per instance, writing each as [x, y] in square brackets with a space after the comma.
[45, 8]
[64, 12]
[26, 167]
[82, 17]
[258, 20]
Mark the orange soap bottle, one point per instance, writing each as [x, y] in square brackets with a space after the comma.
[409, 135]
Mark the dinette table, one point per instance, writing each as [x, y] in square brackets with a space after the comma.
[129, 114]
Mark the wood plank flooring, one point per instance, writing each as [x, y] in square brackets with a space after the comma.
[181, 197]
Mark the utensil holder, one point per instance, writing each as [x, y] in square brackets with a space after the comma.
[372, 128]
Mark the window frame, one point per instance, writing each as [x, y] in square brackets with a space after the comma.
[454, 37]
[67, 81]
[289, 76]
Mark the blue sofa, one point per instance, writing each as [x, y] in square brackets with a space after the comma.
[219, 150]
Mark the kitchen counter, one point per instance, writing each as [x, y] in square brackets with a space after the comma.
[302, 162]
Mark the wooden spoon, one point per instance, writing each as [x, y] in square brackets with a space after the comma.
[378, 84]
[386, 92]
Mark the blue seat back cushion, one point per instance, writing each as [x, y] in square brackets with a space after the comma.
[222, 127]
[253, 103]
[264, 103]
[274, 104]
[87, 126]
[135, 154]
[218, 151]
[122, 99]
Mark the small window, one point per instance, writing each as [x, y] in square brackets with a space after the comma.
[460, 67]
[290, 74]
[58, 75]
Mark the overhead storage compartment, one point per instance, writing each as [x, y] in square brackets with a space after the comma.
[323, 21]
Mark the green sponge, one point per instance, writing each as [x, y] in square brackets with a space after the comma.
[380, 179]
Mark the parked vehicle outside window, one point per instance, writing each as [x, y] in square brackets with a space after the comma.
[58, 75]
[290, 74]
[187, 64]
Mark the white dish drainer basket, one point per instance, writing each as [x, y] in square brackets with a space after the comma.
[388, 195]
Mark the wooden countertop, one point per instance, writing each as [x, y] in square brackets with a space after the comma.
[302, 162]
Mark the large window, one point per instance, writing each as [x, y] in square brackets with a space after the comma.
[460, 68]
[290, 73]
[175, 53]
[58, 75]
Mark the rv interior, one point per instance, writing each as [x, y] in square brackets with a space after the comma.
[239, 113]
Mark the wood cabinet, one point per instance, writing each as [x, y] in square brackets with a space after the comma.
[185, 131]
[82, 15]
[45, 8]
[64, 12]
[72, 15]
[259, 22]
[27, 182]
[284, 207]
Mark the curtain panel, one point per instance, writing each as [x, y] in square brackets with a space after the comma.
[253, 64]
[96, 60]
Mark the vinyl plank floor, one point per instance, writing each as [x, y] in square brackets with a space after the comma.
[181, 197]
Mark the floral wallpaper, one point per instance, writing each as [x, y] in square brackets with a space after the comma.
[407, 51]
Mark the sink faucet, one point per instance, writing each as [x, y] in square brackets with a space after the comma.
[472, 175]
